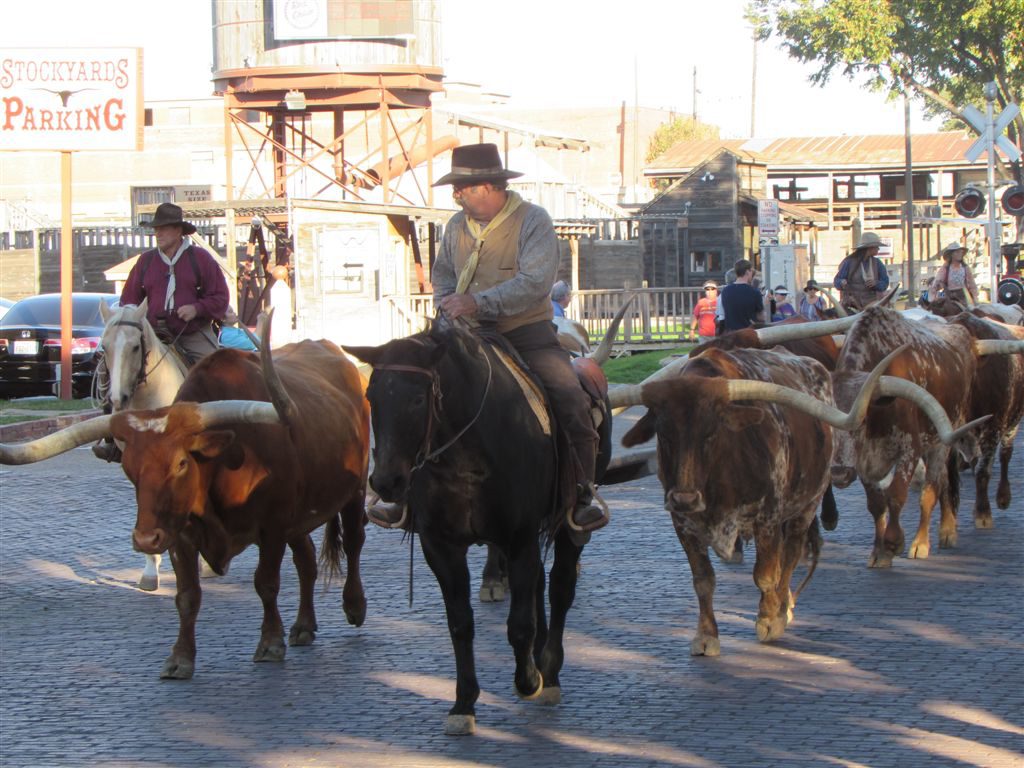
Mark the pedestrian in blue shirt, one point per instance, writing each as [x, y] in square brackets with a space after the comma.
[743, 303]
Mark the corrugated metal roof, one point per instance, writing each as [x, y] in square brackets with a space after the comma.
[833, 153]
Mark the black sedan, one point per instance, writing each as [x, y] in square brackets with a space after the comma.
[30, 344]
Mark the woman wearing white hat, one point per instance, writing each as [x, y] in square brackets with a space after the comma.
[862, 277]
[954, 277]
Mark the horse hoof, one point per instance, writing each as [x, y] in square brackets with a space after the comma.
[536, 692]
[270, 652]
[705, 646]
[550, 697]
[492, 592]
[177, 668]
[460, 725]
[148, 583]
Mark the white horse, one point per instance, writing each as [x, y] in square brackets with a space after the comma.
[144, 373]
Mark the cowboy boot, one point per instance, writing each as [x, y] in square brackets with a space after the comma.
[590, 512]
[387, 515]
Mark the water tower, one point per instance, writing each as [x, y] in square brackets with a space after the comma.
[335, 93]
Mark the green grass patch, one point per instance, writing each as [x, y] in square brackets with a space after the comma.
[633, 369]
[35, 408]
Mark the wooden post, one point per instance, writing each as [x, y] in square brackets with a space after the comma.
[385, 176]
[229, 179]
[231, 258]
[66, 247]
[429, 117]
[574, 253]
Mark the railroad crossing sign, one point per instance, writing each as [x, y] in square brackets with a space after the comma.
[991, 133]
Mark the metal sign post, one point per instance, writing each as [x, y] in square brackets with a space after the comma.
[990, 129]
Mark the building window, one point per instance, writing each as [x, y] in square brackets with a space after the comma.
[148, 117]
[706, 261]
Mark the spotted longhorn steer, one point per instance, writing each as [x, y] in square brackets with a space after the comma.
[940, 358]
[756, 469]
[211, 478]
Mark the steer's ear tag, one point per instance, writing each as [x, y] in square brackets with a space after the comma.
[736, 418]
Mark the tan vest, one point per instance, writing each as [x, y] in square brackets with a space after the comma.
[499, 263]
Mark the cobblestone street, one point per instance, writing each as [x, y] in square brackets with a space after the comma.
[919, 665]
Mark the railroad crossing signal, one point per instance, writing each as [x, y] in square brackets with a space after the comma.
[989, 134]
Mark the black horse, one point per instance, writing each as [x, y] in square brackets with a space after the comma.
[458, 442]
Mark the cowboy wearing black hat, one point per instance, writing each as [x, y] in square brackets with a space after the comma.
[182, 283]
[496, 265]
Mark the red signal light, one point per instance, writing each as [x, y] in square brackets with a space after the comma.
[970, 203]
[1013, 200]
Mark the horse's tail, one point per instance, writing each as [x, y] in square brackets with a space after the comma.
[330, 552]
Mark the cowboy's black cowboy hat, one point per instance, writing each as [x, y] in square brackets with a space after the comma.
[475, 164]
[169, 213]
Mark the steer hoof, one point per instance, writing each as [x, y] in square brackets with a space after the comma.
[983, 520]
[770, 629]
[460, 725]
[301, 636]
[550, 697]
[880, 560]
[270, 651]
[947, 540]
[148, 583]
[356, 614]
[919, 551]
[705, 645]
[177, 668]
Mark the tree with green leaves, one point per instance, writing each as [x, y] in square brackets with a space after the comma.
[671, 133]
[942, 51]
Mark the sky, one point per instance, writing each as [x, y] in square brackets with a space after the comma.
[543, 53]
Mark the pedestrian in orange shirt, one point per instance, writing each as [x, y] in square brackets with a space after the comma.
[704, 313]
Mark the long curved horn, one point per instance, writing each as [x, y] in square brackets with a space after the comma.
[745, 389]
[777, 334]
[997, 347]
[626, 395]
[886, 298]
[893, 386]
[57, 443]
[836, 304]
[278, 395]
[219, 412]
[604, 349]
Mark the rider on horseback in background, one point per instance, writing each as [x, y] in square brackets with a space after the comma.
[186, 293]
[496, 265]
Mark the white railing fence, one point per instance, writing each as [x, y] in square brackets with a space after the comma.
[657, 315]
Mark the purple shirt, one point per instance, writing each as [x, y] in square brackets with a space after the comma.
[153, 285]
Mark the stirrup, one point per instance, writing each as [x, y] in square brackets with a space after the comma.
[387, 515]
[594, 511]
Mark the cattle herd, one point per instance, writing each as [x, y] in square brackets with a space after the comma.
[753, 430]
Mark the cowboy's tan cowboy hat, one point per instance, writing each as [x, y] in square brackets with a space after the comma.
[475, 164]
[869, 240]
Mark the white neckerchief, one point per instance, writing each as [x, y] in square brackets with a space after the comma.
[171, 283]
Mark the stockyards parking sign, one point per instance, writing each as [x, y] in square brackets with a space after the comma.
[71, 99]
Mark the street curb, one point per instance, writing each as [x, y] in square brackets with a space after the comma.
[30, 430]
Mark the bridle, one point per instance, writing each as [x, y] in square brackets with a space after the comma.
[144, 372]
[425, 454]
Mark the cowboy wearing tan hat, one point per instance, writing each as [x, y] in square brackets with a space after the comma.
[496, 265]
[954, 277]
[862, 277]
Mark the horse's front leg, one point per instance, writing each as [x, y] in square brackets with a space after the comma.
[562, 593]
[180, 665]
[448, 562]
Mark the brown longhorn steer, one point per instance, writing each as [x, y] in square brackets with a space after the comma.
[940, 358]
[755, 469]
[998, 389]
[211, 478]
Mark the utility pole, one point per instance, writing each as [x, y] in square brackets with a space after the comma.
[695, 94]
[908, 182]
[753, 90]
[994, 227]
